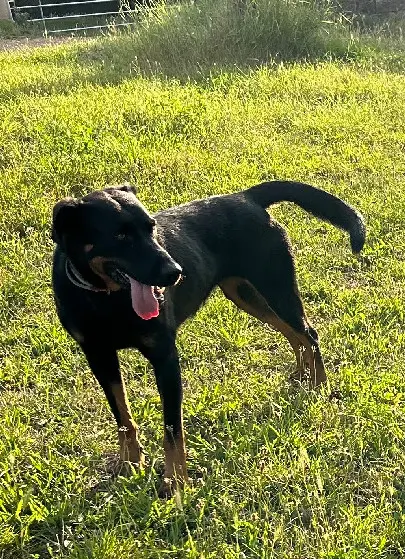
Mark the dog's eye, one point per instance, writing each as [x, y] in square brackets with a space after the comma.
[123, 235]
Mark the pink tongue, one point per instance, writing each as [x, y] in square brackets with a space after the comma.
[144, 301]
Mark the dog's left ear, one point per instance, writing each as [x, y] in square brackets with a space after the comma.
[65, 219]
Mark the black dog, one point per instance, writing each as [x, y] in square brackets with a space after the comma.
[123, 278]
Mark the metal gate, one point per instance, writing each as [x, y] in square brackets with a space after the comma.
[46, 14]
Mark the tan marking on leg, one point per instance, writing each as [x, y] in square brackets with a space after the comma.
[313, 360]
[175, 474]
[256, 305]
[288, 332]
[87, 248]
[130, 449]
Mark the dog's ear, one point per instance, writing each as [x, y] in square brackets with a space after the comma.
[126, 187]
[65, 219]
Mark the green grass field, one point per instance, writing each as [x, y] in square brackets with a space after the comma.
[277, 471]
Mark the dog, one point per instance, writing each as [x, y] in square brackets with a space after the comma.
[125, 278]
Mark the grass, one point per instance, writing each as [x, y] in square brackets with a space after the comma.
[22, 27]
[278, 472]
[11, 30]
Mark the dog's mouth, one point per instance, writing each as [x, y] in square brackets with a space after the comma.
[146, 299]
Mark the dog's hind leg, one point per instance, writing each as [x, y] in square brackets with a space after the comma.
[276, 282]
[288, 318]
[105, 367]
[284, 300]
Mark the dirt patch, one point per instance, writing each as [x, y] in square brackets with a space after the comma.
[26, 43]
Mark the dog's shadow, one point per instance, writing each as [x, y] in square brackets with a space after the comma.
[126, 500]
[118, 498]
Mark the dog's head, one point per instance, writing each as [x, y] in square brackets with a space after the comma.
[110, 238]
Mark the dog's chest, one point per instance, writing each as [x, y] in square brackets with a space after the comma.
[116, 322]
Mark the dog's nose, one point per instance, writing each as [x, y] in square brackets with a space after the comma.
[170, 273]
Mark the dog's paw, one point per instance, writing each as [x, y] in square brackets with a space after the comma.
[126, 467]
[167, 488]
[170, 486]
[299, 376]
[132, 453]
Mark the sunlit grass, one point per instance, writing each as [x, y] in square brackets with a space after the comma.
[276, 471]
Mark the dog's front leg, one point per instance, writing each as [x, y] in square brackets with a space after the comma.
[105, 367]
[165, 362]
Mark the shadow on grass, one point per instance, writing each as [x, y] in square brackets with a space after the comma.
[79, 520]
[111, 61]
[128, 507]
[197, 42]
[127, 511]
[190, 41]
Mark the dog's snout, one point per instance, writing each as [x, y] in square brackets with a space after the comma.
[170, 274]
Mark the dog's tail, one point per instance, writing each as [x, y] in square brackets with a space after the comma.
[315, 201]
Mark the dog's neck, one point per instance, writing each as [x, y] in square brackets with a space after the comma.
[78, 280]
